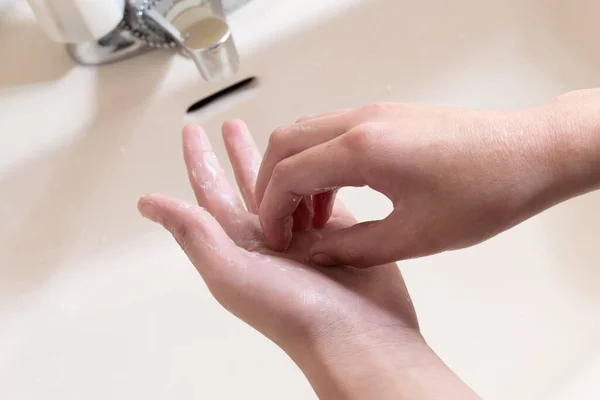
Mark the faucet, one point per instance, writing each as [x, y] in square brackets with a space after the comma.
[98, 32]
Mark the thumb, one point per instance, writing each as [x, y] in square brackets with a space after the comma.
[200, 236]
[363, 245]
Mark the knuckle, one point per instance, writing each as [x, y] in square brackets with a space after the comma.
[360, 139]
[278, 137]
[374, 109]
[281, 171]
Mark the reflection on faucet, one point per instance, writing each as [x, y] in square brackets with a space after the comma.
[203, 37]
[198, 28]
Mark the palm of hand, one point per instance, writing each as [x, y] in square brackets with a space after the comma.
[280, 294]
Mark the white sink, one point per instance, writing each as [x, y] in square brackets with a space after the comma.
[96, 303]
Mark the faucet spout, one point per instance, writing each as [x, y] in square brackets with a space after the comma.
[197, 28]
[202, 34]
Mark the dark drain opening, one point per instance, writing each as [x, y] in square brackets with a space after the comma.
[222, 93]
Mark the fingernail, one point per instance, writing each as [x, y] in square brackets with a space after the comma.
[323, 259]
[286, 232]
[303, 215]
[148, 211]
[281, 234]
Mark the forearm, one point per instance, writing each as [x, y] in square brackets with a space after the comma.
[554, 151]
[367, 368]
[575, 144]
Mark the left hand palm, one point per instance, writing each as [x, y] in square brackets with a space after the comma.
[282, 295]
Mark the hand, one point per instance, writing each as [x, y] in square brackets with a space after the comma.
[324, 318]
[455, 177]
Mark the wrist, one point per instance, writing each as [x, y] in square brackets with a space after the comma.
[557, 148]
[392, 365]
[574, 121]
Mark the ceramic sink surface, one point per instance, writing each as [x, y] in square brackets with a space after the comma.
[97, 303]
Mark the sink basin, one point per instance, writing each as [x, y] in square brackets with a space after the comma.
[97, 303]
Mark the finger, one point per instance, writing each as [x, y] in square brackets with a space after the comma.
[362, 245]
[303, 215]
[245, 159]
[197, 232]
[323, 115]
[208, 179]
[314, 171]
[292, 139]
[323, 207]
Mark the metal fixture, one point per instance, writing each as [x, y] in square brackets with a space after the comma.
[198, 29]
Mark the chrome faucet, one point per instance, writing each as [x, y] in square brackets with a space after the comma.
[198, 29]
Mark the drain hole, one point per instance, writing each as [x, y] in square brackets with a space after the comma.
[222, 93]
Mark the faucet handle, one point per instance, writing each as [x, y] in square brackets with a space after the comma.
[124, 28]
[203, 34]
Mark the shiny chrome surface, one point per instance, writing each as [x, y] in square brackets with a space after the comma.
[202, 34]
[198, 29]
[118, 45]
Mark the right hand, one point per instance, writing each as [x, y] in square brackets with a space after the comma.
[456, 177]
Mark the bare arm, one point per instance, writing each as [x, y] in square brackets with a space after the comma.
[379, 368]
[456, 177]
[576, 143]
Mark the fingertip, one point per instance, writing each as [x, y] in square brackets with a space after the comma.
[195, 137]
[156, 205]
[303, 216]
[234, 130]
[323, 260]
[147, 208]
[143, 199]
[233, 125]
[334, 251]
[191, 129]
[153, 206]
[323, 207]
[279, 234]
[230, 132]
[286, 233]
